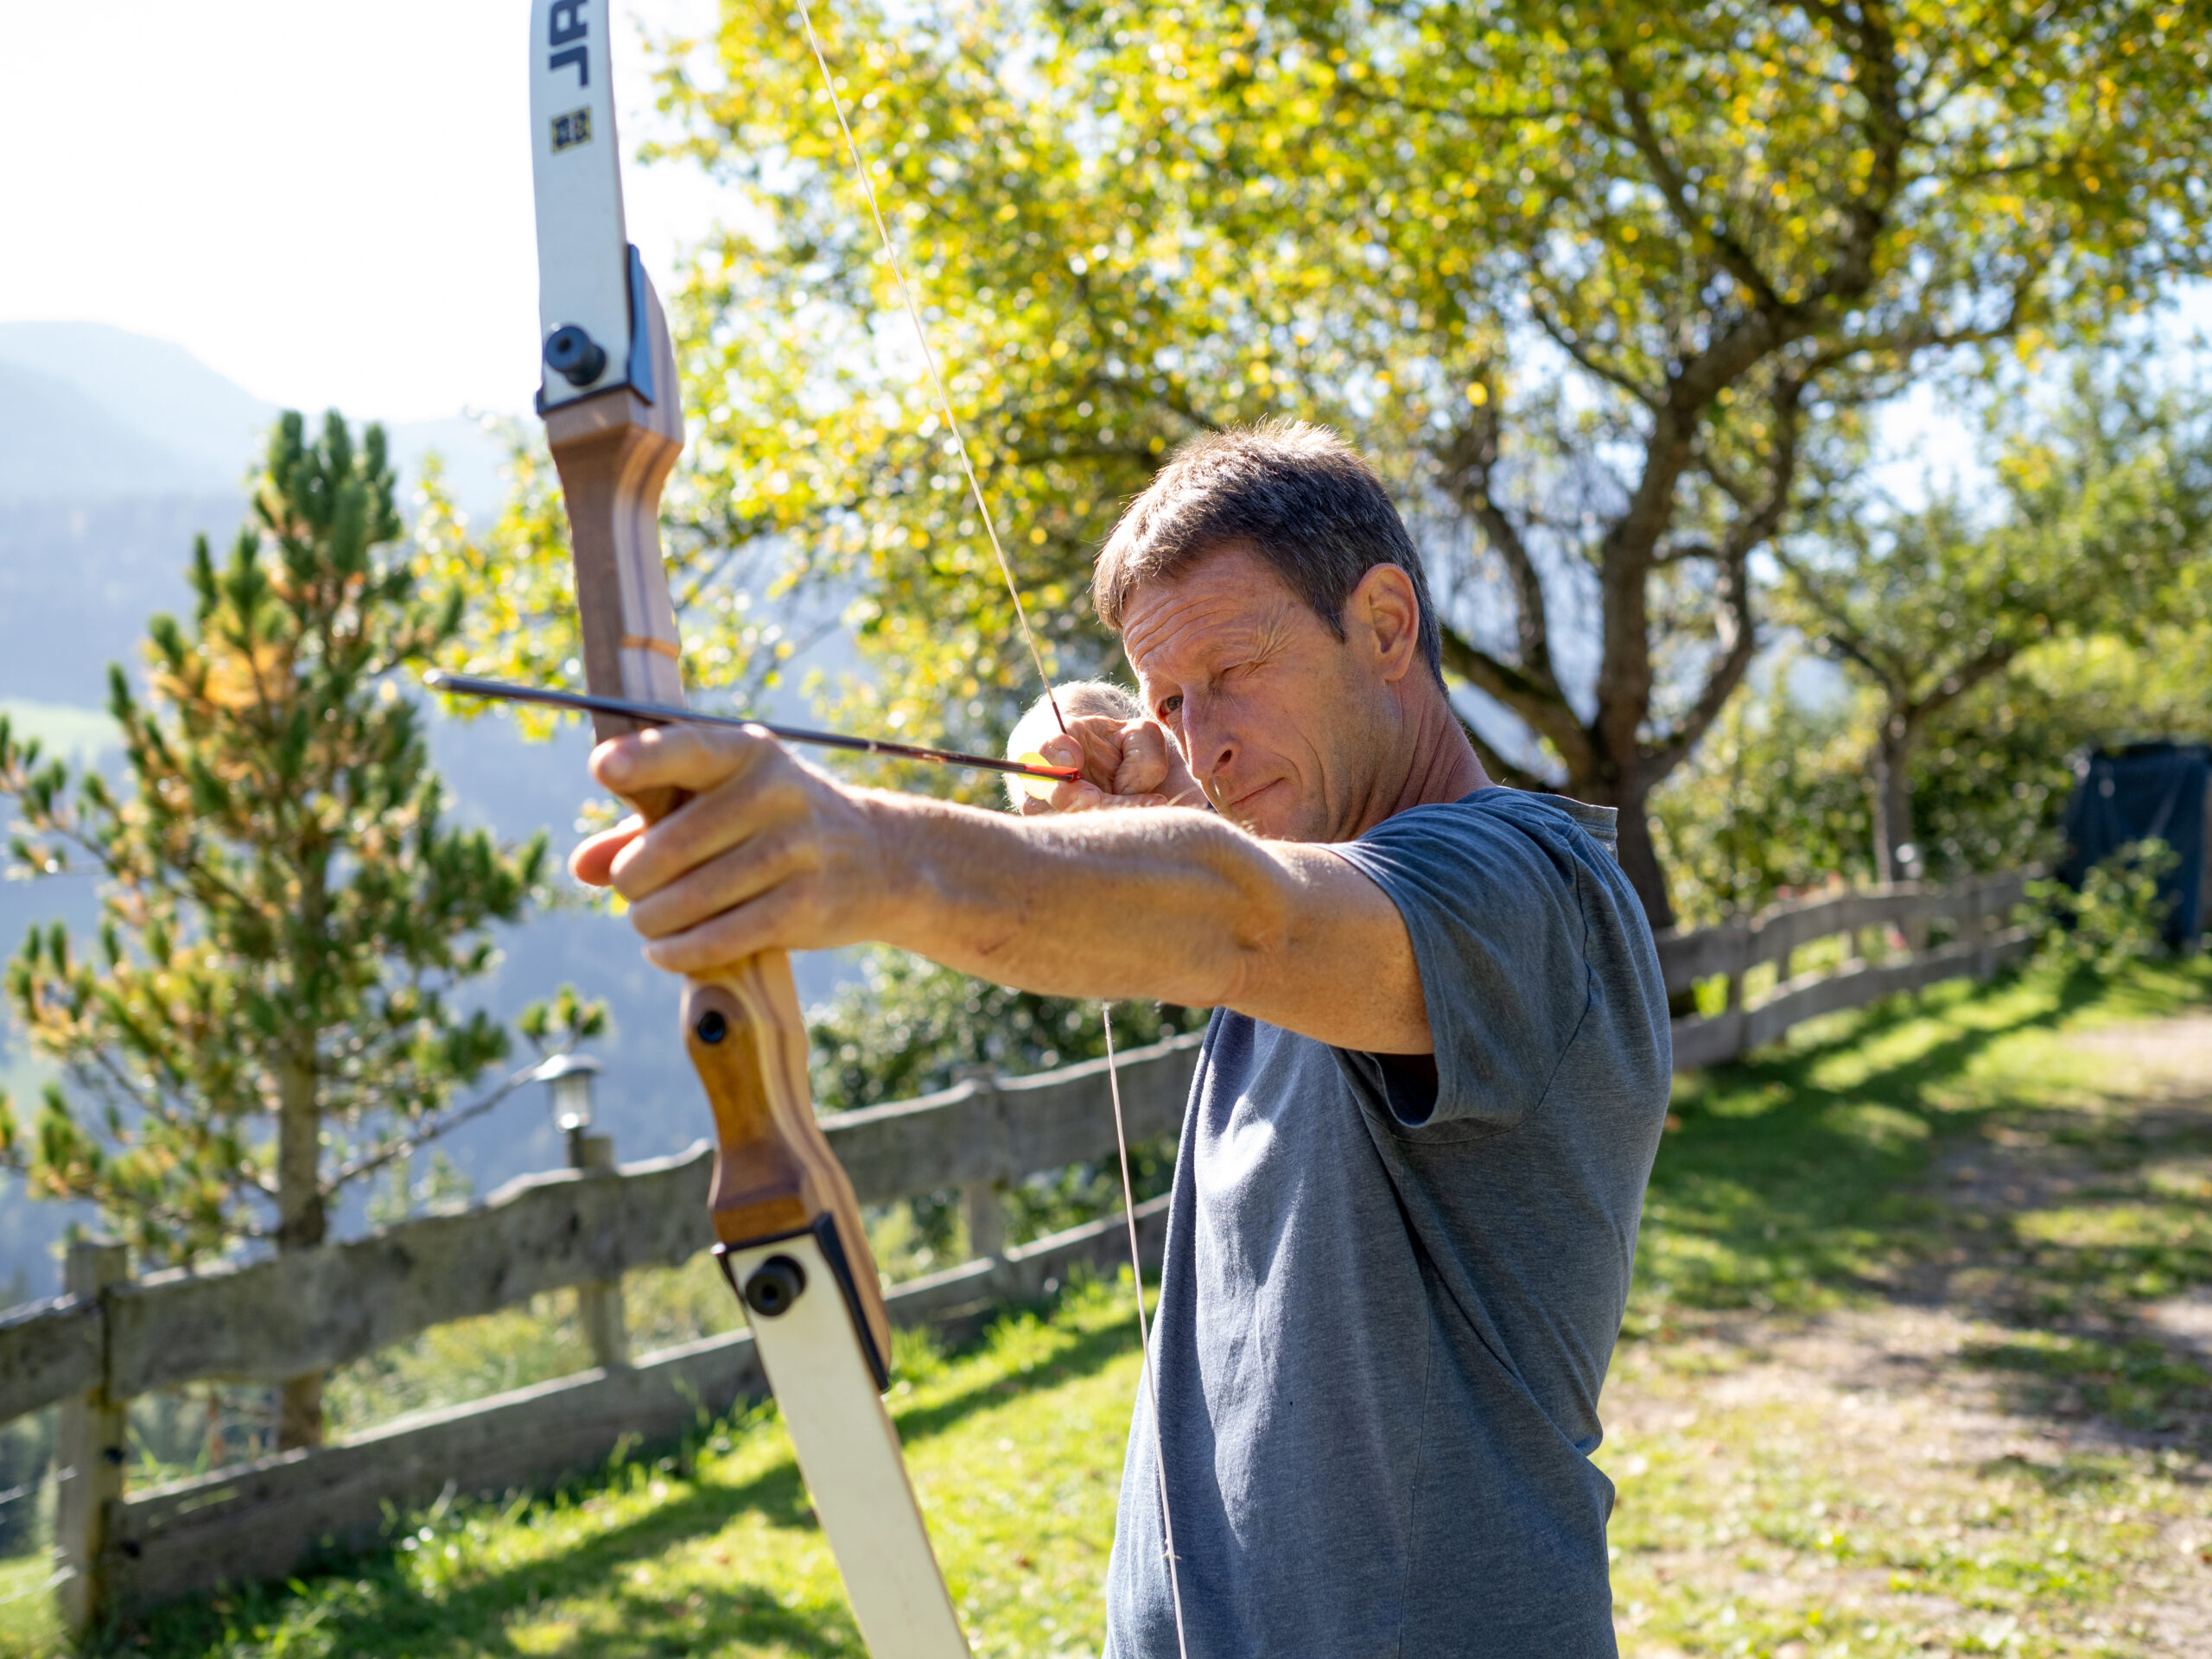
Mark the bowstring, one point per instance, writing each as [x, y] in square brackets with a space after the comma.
[1148, 1379]
[929, 358]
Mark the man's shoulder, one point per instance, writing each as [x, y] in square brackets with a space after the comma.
[1498, 810]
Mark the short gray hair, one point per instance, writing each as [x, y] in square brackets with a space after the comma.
[1306, 500]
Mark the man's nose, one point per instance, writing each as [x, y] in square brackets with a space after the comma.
[1208, 747]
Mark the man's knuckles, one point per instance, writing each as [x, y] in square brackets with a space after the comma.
[692, 758]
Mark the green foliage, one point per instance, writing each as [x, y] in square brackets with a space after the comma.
[26, 1456]
[2105, 498]
[2117, 916]
[1592, 282]
[2102, 526]
[1774, 803]
[268, 1010]
[911, 1026]
[443, 1188]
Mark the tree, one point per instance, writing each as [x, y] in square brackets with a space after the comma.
[1773, 801]
[1595, 281]
[1632, 265]
[2105, 502]
[268, 1013]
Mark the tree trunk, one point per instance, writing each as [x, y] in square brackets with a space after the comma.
[1640, 863]
[301, 1221]
[1639, 855]
[1893, 785]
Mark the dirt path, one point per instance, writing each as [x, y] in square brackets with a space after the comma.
[2007, 1452]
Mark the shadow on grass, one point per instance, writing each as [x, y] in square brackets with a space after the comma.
[1792, 1179]
[1798, 1180]
[372, 1603]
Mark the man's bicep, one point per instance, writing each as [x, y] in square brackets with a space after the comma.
[1340, 968]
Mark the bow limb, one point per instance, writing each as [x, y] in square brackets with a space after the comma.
[786, 1222]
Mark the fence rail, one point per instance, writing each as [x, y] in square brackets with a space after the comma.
[112, 1338]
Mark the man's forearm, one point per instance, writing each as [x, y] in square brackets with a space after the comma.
[1160, 904]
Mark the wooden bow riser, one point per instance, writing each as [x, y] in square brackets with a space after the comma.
[775, 1176]
[787, 1226]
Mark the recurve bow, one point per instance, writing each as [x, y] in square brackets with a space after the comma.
[787, 1226]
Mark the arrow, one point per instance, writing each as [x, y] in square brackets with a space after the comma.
[661, 714]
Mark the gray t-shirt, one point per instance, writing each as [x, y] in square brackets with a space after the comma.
[1388, 1301]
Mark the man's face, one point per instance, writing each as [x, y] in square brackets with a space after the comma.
[1280, 723]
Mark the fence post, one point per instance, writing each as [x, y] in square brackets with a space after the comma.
[89, 1459]
[982, 1203]
[599, 1302]
[1980, 920]
[1914, 929]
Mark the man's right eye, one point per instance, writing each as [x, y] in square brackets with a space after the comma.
[1170, 707]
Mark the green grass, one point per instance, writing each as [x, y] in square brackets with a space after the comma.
[1015, 1450]
[1754, 1520]
[1787, 1181]
[1767, 1512]
[26, 1609]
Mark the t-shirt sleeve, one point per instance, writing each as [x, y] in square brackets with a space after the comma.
[1490, 901]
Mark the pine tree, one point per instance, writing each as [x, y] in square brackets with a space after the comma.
[269, 1012]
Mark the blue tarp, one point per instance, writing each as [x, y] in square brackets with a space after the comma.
[2143, 791]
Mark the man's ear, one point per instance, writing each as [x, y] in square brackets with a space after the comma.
[1383, 616]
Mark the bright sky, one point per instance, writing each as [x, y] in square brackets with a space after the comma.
[328, 203]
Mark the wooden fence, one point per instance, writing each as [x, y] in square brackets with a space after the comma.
[109, 1336]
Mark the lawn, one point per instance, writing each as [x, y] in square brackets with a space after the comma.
[1894, 1383]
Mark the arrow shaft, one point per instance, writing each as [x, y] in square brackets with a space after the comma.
[661, 714]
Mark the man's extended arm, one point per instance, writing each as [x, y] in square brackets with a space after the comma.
[1168, 904]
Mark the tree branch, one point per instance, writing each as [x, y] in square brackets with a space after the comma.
[1546, 712]
[1735, 624]
[1993, 659]
[1469, 462]
[403, 1145]
[1712, 230]
[1574, 349]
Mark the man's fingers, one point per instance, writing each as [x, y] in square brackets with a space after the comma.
[764, 789]
[1144, 759]
[694, 759]
[593, 861]
[725, 882]
[729, 938]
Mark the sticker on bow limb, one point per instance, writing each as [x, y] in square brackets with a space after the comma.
[571, 130]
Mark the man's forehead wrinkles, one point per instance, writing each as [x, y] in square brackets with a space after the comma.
[1177, 627]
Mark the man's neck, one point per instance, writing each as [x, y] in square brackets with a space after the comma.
[1440, 763]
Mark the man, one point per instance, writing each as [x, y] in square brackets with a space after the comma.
[1405, 1200]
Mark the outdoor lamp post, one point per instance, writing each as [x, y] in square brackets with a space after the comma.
[568, 1079]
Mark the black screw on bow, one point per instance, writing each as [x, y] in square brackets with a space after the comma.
[575, 355]
[775, 1285]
